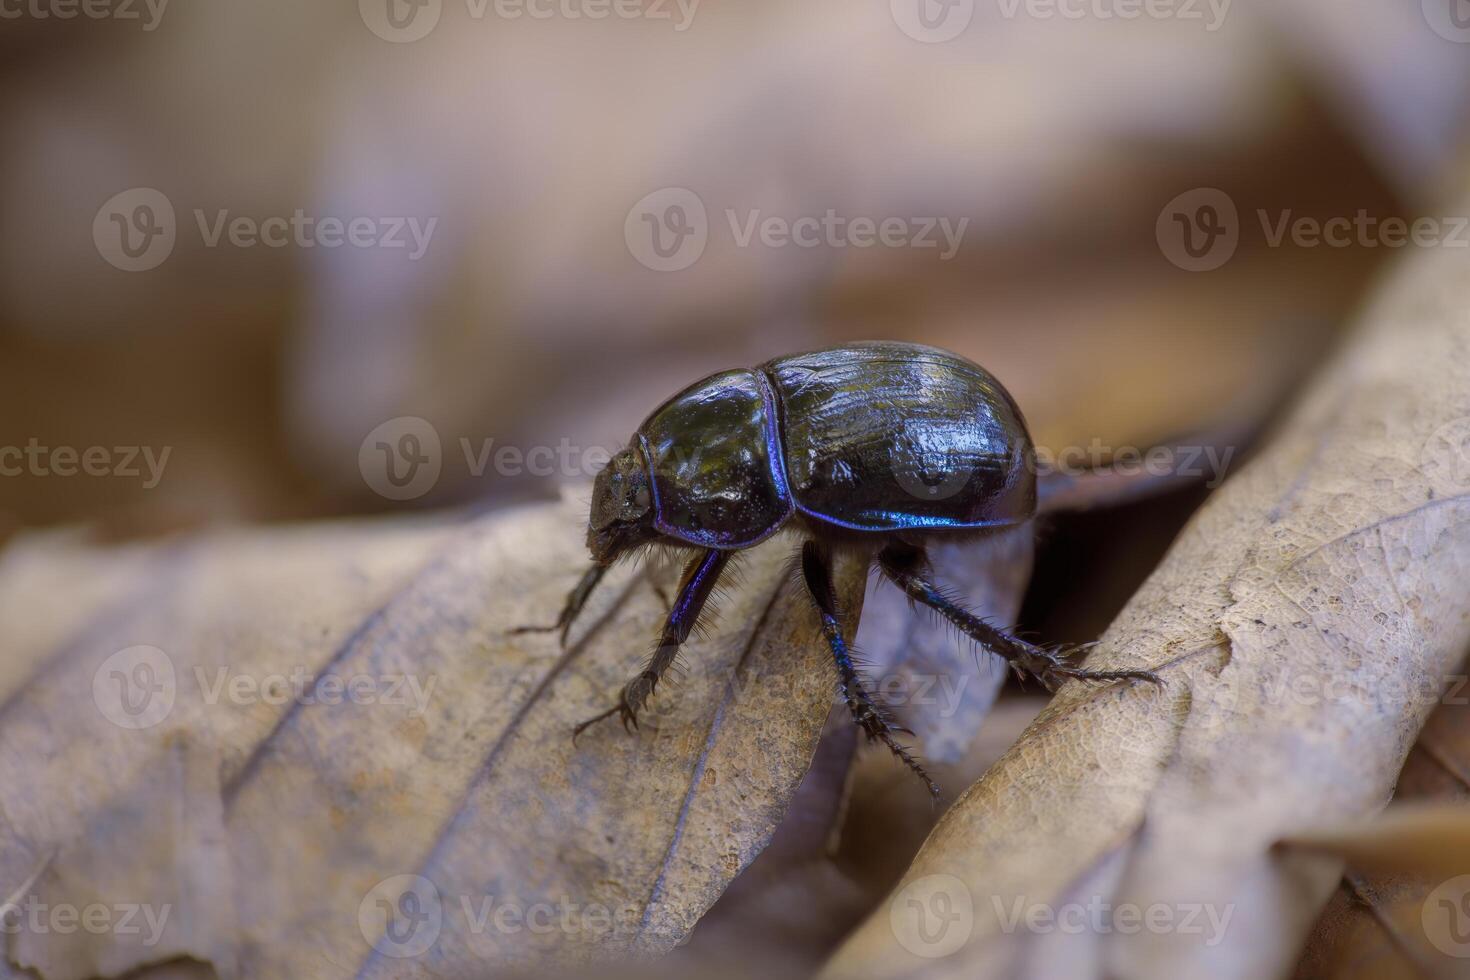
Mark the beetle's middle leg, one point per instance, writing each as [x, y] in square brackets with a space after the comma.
[694, 590]
[816, 568]
[908, 567]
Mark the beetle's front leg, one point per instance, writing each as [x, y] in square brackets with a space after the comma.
[576, 599]
[694, 589]
[907, 567]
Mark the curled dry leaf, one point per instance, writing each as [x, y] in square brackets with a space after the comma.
[321, 752]
[1295, 620]
[1401, 909]
[1422, 837]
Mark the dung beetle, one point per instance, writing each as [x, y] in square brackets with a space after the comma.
[876, 448]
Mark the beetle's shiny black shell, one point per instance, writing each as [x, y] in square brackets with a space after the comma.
[875, 437]
[886, 436]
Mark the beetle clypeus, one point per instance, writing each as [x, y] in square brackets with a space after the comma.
[877, 448]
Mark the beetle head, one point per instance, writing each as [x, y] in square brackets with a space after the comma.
[622, 508]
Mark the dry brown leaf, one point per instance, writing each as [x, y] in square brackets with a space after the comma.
[1295, 620]
[283, 823]
[826, 868]
[1405, 837]
[1403, 908]
[1376, 923]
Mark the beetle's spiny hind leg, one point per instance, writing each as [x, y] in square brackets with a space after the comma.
[906, 566]
[816, 567]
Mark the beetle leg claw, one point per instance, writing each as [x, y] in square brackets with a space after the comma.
[592, 721]
[634, 697]
[1051, 667]
[626, 713]
[563, 625]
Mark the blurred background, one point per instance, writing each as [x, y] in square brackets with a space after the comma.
[284, 260]
[280, 261]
